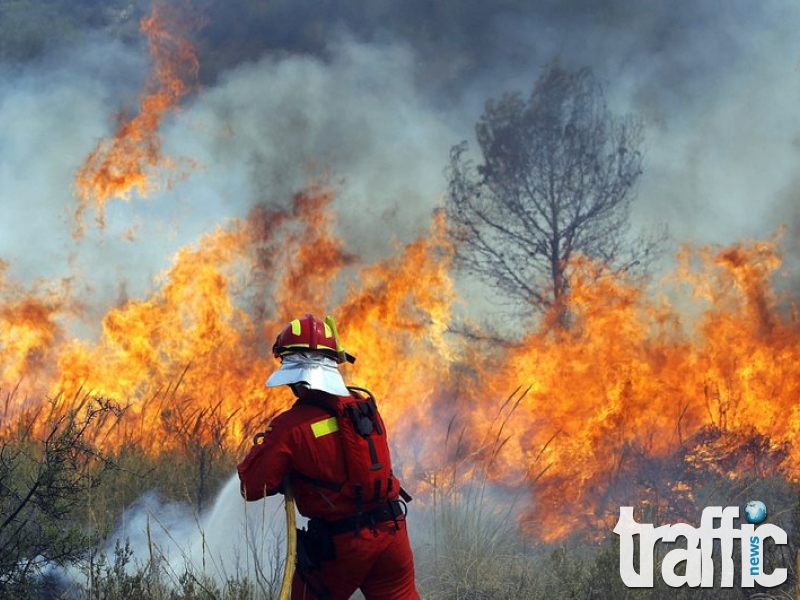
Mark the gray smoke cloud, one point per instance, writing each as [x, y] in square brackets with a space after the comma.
[377, 101]
[261, 134]
[717, 83]
[267, 128]
[378, 112]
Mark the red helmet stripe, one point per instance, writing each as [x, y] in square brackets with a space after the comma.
[312, 334]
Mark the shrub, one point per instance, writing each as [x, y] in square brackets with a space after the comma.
[48, 468]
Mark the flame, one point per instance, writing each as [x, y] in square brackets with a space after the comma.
[701, 363]
[634, 376]
[698, 368]
[122, 165]
[29, 322]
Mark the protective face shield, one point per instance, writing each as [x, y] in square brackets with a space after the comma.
[317, 370]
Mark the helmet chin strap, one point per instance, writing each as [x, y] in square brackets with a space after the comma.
[300, 389]
[340, 353]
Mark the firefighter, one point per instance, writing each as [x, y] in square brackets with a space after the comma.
[356, 536]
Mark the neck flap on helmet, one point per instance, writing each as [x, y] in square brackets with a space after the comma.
[315, 369]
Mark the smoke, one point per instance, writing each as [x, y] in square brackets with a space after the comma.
[267, 128]
[237, 540]
[374, 100]
[372, 96]
[233, 541]
[260, 135]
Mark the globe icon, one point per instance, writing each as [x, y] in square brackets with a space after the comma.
[756, 511]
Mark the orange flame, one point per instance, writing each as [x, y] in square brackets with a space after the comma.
[634, 377]
[565, 419]
[122, 165]
[708, 355]
[29, 322]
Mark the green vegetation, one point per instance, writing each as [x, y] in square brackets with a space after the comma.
[46, 480]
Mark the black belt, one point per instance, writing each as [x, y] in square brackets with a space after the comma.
[394, 510]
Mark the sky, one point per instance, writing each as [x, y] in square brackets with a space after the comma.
[374, 100]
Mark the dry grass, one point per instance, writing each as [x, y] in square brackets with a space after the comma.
[467, 539]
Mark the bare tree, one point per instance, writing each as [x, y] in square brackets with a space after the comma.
[558, 178]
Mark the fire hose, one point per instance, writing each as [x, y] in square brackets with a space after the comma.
[291, 543]
[291, 535]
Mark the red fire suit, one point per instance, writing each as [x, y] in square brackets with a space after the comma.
[376, 559]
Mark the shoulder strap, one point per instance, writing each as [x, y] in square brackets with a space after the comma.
[328, 485]
[361, 390]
